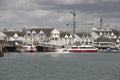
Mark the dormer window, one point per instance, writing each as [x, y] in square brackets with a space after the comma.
[15, 35]
[117, 40]
[66, 36]
[55, 33]
[41, 33]
[33, 33]
[28, 33]
[70, 37]
[112, 34]
[101, 34]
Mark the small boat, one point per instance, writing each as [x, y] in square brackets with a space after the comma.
[29, 48]
[113, 49]
[62, 50]
[78, 49]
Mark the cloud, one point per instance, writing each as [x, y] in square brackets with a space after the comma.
[57, 12]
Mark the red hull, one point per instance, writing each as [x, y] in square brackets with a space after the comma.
[30, 50]
[77, 51]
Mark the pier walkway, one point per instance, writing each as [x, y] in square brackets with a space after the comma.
[49, 45]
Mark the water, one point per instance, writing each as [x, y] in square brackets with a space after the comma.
[56, 66]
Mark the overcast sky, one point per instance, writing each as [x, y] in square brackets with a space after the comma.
[16, 14]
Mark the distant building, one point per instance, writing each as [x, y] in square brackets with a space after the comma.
[85, 38]
[113, 35]
[99, 38]
[2, 36]
[103, 42]
[14, 35]
[38, 34]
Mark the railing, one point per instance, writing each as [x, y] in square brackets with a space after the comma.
[44, 44]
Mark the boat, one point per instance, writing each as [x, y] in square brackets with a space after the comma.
[113, 49]
[29, 48]
[62, 50]
[83, 48]
[78, 49]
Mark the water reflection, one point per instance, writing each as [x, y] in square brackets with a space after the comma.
[53, 66]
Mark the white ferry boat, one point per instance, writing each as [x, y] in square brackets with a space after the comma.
[83, 48]
[78, 49]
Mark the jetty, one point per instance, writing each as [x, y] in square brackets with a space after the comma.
[1, 49]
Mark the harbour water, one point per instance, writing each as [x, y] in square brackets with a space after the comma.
[59, 66]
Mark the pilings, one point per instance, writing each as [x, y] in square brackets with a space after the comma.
[1, 49]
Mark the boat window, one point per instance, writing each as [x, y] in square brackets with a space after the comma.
[26, 48]
[86, 47]
[31, 47]
[74, 47]
[82, 47]
[29, 44]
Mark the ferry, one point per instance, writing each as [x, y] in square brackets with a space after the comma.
[83, 48]
[78, 49]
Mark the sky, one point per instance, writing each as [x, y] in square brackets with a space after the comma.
[17, 14]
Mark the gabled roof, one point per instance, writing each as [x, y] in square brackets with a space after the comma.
[12, 33]
[2, 34]
[94, 35]
[55, 31]
[15, 35]
[115, 32]
[12, 39]
[47, 31]
[63, 34]
[33, 32]
[103, 39]
[80, 34]
[41, 32]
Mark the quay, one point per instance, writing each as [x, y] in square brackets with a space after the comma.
[48, 39]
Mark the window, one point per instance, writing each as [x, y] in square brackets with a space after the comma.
[56, 38]
[74, 47]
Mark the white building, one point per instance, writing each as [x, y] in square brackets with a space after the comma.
[2, 36]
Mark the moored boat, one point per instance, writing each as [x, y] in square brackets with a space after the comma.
[78, 49]
[29, 48]
[83, 48]
[113, 49]
[62, 50]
